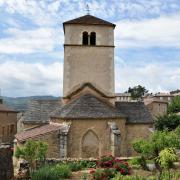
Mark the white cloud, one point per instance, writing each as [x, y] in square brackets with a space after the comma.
[24, 79]
[30, 41]
[161, 32]
[155, 77]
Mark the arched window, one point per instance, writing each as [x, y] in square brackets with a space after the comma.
[85, 38]
[93, 38]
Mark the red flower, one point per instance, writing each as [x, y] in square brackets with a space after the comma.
[126, 163]
[92, 171]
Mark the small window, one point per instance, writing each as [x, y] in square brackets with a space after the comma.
[93, 38]
[85, 38]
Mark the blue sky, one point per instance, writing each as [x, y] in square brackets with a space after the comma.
[147, 39]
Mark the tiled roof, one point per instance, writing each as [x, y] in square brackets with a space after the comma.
[136, 112]
[38, 110]
[89, 20]
[4, 108]
[87, 107]
[39, 131]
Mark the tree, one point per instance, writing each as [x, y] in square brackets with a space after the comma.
[174, 106]
[137, 91]
[31, 152]
[167, 122]
[158, 141]
[166, 157]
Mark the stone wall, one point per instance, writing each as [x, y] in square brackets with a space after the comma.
[157, 108]
[136, 131]
[88, 64]
[6, 164]
[99, 130]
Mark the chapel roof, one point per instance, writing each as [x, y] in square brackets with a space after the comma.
[38, 131]
[136, 112]
[38, 110]
[89, 20]
[87, 107]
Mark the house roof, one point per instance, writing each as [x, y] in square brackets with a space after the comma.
[89, 20]
[136, 112]
[4, 108]
[87, 107]
[38, 110]
[39, 131]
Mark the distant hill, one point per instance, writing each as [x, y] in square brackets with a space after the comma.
[20, 103]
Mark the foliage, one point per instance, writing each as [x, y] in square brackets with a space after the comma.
[103, 174]
[44, 173]
[139, 162]
[174, 106]
[110, 166]
[166, 157]
[62, 170]
[122, 167]
[75, 166]
[32, 151]
[106, 161]
[158, 141]
[88, 164]
[167, 122]
[137, 92]
[52, 172]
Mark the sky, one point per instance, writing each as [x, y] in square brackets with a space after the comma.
[147, 40]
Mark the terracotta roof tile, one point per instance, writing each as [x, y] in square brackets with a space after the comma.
[4, 108]
[36, 132]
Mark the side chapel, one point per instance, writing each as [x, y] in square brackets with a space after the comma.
[87, 121]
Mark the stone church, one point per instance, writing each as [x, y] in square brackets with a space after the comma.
[87, 121]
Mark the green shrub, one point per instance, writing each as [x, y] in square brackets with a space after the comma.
[138, 162]
[87, 164]
[62, 170]
[75, 166]
[52, 172]
[44, 173]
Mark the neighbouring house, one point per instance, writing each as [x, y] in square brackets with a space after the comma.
[124, 97]
[175, 93]
[88, 121]
[8, 123]
[157, 107]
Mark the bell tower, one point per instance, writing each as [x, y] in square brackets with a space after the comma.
[89, 54]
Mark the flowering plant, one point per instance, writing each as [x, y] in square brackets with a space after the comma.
[110, 166]
[106, 161]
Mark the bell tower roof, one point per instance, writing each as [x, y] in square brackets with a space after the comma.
[89, 20]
